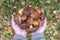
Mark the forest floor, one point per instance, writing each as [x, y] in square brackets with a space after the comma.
[52, 13]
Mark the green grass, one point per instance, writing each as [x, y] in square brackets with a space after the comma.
[49, 7]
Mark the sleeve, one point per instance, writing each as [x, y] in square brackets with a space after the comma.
[38, 36]
[18, 37]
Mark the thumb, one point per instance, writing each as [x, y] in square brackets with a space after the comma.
[12, 20]
[43, 26]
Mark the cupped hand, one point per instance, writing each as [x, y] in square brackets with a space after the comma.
[42, 26]
[17, 29]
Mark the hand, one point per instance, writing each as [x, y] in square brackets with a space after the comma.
[42, 27]
[17, 28]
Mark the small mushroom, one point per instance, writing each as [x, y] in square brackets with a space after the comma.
[24, 17]
[35, 23]
[30, 27]
[27, 11]
[17, 18]
[23, 25]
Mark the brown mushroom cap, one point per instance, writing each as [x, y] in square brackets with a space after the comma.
[28, 10]
[17, 19]
[24, 17]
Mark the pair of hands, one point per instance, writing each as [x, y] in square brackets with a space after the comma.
[19, 31]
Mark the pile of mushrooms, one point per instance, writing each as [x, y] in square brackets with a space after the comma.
[29, 19]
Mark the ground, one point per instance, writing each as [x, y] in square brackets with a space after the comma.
[10, 7]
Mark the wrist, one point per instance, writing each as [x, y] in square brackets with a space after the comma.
[21, 33]
[38, 36]
[37, 33]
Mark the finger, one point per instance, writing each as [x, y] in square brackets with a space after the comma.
[13, 20]
[42, 10]
[45, 22]
[43, 26]
[16, 27]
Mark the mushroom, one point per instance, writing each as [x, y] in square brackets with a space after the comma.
[24, 17]
[17, 19]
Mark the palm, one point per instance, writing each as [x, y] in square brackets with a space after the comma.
[17, 29]
[42, 28]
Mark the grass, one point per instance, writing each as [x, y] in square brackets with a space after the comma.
[52, 13]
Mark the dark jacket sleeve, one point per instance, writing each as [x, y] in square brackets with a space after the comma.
[18, 37]
[38, 36]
